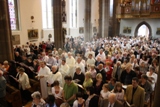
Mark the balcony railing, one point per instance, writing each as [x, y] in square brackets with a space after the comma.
[134, 10]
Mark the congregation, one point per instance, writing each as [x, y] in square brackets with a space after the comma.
[105, 72]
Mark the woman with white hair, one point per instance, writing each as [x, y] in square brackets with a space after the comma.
[37, 100]
[24, 84]
[111, 101]
[152, 76]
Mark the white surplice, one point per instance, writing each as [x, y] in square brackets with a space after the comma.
[82, 66]
[64, 70]
[102, 56]
[53, 77]
[44, 72]
[71, 63]
[90, 62]
[90, 52]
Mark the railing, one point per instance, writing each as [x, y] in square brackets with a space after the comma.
[138, 10]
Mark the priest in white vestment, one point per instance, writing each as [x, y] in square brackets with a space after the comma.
[90, 60]
[64, 70]
[43, 73]
[70, 61]
[101, 55]
[80, 64]
[90, 51]
[56, 75]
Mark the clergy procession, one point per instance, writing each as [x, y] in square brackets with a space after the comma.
[105, 72]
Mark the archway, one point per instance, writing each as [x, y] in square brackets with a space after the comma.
[143, 29]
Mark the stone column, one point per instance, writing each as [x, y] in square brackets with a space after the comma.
[116, 23]
[103, 18]
[6, 48]
[100, 18]
[87, 21]
[57, 14]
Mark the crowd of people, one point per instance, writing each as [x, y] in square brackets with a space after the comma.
[105, 72]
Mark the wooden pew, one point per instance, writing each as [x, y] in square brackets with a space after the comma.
[35, 86]
[13, 96]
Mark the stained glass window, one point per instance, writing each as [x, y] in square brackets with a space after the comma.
[13, 12]
[111, 8]
[73, 13]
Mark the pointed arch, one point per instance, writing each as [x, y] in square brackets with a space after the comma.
[139, 25]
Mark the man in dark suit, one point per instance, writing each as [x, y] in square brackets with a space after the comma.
[102, 72]
[33, 55]
[146, 85]
[18, 58]
[125, 57]
[111, 101]
[127, 75]
[117, 59]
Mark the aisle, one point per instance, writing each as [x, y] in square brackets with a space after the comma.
[28, 104]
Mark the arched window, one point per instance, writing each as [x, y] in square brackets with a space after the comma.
[13, 12]
[47, 14]
[111, 8]
[143, 30]
[73, 13]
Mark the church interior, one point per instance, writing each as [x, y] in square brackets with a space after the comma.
[79, 53]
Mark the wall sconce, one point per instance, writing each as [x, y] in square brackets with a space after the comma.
[32, 19]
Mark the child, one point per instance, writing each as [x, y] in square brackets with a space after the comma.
[80, 101]
[118, 90]
[105, 91]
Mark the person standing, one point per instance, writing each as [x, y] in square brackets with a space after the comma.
[117, 70]
[44, 72]
[127, 75]
[55, 76]
[102, 71]
[135, 95]
[38, 101]
[70, 61]
[64, 70]
[70, 90]
[146, 85]
[24, 84]
[3, 82]
[51, 61]
[78, 76]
